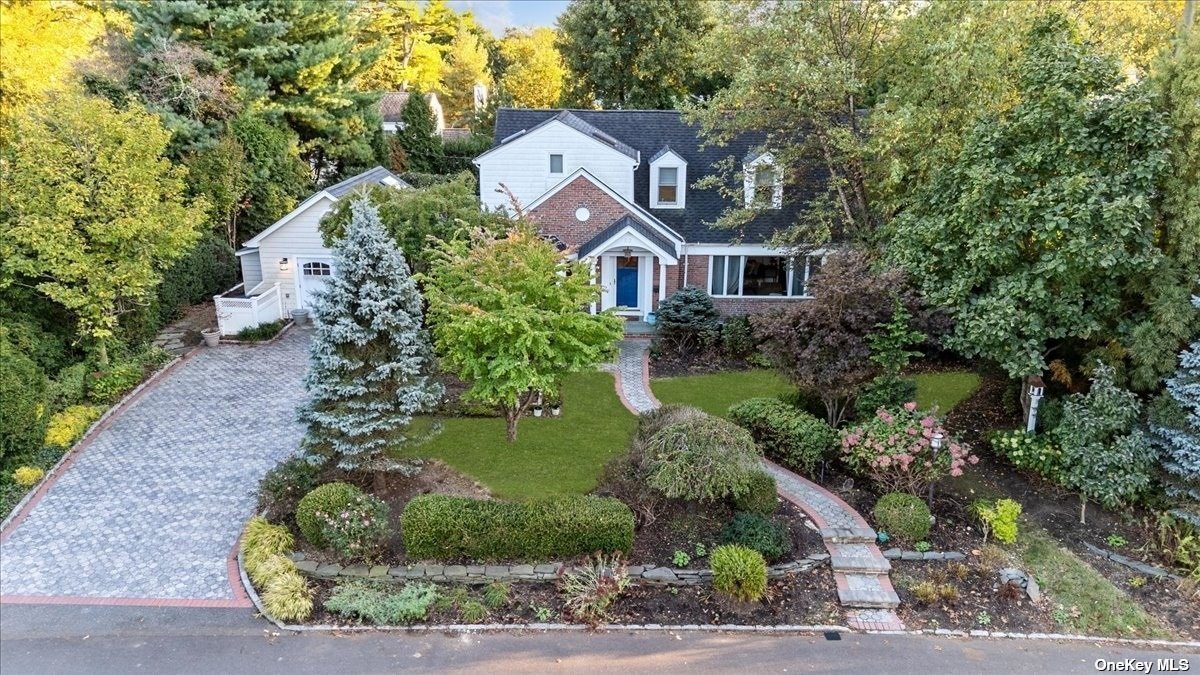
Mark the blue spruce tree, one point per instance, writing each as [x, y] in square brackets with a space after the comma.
[370, 361]
[1175, 430]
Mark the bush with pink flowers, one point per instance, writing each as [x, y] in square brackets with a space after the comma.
[894, 449]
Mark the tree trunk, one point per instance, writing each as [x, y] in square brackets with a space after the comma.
[1082, 510]
[511, 413]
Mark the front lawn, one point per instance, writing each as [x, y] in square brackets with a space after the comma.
[562, 455]
[945, 390]
[714, 393]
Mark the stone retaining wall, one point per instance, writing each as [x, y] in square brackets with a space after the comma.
[899, 554]
[482, 574]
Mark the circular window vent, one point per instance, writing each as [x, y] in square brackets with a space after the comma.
[582, 214]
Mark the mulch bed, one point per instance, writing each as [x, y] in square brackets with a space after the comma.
[969, 598]
[671, 363]
[806, 598]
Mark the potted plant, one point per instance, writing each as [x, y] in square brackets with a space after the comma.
[537, 404]
[299, 316]
[555, 403]
[212, 336]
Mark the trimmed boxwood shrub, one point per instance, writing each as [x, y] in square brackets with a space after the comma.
[761, 498]
[885, 391]
[903, 516]
[329, 498]
[789, 436]
[444, 527]
[739, 572]
[771, 539]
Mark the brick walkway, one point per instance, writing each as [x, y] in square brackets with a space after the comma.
[150, 508]
[859, 568]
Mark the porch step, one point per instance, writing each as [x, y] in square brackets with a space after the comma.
[858, 557]
[848, 535]
[872, 591]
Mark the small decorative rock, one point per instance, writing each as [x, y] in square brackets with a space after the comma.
[660, 575]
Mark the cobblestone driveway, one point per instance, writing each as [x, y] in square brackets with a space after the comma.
[152, 507]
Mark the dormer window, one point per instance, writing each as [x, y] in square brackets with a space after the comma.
[556, 163]
[668, 180]
[763, 182]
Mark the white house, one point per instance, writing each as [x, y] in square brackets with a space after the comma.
[617, 188]
[391, 110]
[287, 262]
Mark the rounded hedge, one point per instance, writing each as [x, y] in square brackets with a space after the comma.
[444, 527]
[902, 516]
[653, 421]
[761, 498]
[739, 572]
[705, 458]
[771, 539]
[330, 498]
[787, 435]
[22, 400]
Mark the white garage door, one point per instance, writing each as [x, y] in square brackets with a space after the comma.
[313, 275]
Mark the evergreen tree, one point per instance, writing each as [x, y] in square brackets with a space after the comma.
[370, 360]
[467, 66]
[1175, 425]
[418, 137]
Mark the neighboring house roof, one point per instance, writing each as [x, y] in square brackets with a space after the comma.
[391, 104]
[376, 176]
[453, 133]
[627, 221]
[651, 132]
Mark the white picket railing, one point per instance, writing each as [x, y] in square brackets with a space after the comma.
[237, 313]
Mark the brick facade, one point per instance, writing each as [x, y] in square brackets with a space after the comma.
[556, 215]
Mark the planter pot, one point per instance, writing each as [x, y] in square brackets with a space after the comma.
[212, 336]
[537, 412]
[556, 411]
[299, 316]
[651, 318]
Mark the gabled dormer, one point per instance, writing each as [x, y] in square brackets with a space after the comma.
[763, 181]
[668, 179]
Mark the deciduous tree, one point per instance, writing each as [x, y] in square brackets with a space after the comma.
[466, 66]
[508, 316]
[39, 44]
[534, 71]
[93, 211]
[1032, 235]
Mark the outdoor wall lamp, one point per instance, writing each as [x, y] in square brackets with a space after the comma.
[283, 264]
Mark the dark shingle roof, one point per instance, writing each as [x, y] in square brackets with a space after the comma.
[371, 176]
[650, 132]
[620, 224]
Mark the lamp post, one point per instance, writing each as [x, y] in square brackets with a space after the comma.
[935, 444]
[1035, 395]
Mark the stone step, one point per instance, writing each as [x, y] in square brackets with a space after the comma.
[870, 565]
[848, 535]
[866, 590]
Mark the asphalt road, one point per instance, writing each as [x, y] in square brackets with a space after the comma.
[75, 639]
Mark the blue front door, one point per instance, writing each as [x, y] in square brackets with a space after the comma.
[627, 286]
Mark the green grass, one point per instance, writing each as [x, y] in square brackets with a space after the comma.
[1092, 605]
[714, 393]
[945, 390]
[552, 455]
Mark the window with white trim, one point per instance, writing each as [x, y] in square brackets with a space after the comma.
[556, 163]
[316, 269]
[668, 185]
[761, 275]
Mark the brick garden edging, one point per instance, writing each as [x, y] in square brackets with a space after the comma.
[481, 574]
[1130, 563]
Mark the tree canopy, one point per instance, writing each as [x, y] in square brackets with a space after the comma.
[1034, 232]
[93, 210]
[632, 53]
[534, 72]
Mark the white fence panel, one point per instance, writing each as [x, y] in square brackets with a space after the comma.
[237, 314]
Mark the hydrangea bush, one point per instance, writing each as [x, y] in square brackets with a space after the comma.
[894, 449]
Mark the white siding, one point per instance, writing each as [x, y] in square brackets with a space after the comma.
[523, 165]
[251, 269]
[299, 237]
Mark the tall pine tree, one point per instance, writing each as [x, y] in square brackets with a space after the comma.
[418, 137]
[1175, 428]
[370, 360]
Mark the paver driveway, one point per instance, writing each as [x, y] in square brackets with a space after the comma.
[152, 507]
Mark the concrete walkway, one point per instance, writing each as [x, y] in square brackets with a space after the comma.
[148, 508]
[859, 568]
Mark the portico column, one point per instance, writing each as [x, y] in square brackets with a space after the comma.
[662, 280]
[595, 280]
